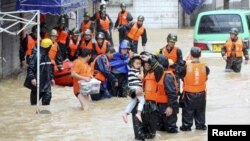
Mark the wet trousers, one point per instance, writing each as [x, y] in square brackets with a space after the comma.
[45, 96]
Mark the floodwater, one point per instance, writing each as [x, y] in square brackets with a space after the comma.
[227, 103]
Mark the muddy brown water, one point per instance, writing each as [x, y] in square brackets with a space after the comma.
[227, 103]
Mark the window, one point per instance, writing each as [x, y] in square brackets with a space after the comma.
[222, 23]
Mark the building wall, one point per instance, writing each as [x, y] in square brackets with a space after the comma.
[158, 13]
[9, 44]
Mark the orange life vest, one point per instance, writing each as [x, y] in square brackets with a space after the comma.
[85, 26]
[135, 32]
[105, 24]
[85, 45]
[84, 71]
[196, 77]
[73, 47]
[238, 51]
[170, 55]
[162, 96]
[122, 18]
[62, 37]
[150, 86]
[103, 48]
[53, 52]
[96, 73]
[31, 43]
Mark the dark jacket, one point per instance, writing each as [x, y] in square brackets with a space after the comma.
[46, 71]
[170, 89]
[102, 66]
[143, 36]
[129, 18]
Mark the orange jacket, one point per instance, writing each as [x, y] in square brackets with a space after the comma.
[53, 52]
[82, 69]
[85, 45]
[85, 26]
[105, 24]
[170, 55]
[150, 86]
[103, 48]
[162, 96]
[96, 73]
[196, 77]
[135, 32]
[73, 47]
[31, 43]
[238, 48]
[62, 37]
[123, 18]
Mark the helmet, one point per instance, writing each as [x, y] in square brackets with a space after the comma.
[76, 32]
[123, 5]
[195, 52]
[234, 31]
[46, 43]
[53, 32]
[87, 32]
[34, 29]
[61, 20]
[172, 38]
[140, 18]
[145, 53]
[86, 14]
[125, 44]
[102, 6]
[100, 35]
[163, 60]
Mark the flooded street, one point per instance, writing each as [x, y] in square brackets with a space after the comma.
[228, 102]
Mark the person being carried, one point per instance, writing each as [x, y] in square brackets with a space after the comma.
[82, 71]
[135, 77]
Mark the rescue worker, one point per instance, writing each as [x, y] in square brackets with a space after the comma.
[174, 53]
[102, 71]
[97, 15]
[119, 68]
[27, 45]
[167, 96]
[82, 71]
[63, 37]
[86, 42]
[74, 42]
[46, 74]
[193, 100]
[87, 23]
[135, 30]
[44, 31]
[101, 44]
[54, 52]
[123, 18]
[105, 25]
[233, 51]
[153, 73]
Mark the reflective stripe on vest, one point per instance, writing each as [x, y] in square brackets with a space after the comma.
[73, 47]
[123, 18]
[196, 77]
[150, 86]
[162, 96]
[105, 24]
[238, 51]
[96, 73]
[85, 26]
[103, 48]
[135, 32]
[62, 37]
[31, 43]
[88, 46]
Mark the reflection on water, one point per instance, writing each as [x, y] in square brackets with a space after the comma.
[228, 103]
